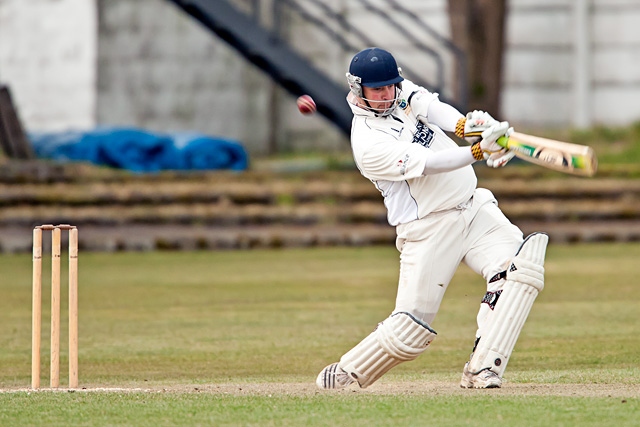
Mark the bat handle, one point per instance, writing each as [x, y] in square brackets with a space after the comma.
[503, 141]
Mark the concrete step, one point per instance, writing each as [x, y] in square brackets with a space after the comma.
[345, 187]
[201, 237]
[328, 212]
[120, 211]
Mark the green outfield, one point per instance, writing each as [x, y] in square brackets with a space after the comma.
[236, 339]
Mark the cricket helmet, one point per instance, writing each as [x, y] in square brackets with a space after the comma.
[372, 67]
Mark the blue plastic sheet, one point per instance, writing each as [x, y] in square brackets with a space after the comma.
[141, 151]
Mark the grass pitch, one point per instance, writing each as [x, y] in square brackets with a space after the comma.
[237, 338]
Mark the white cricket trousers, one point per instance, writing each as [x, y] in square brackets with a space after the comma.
[432, 248]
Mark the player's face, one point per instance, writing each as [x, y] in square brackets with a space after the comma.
[380, 98]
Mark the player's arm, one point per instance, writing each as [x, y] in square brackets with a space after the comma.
[478, 127]
[427, 107]
[404, 160]
[485, 149]
[443, 115]
[448, 118]
[447, 160]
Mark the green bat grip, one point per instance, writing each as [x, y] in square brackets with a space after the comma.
[503, 141]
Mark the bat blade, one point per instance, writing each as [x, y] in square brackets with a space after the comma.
[565, 157]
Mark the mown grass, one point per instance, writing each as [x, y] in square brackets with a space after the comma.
[163, 319]
[144, 409]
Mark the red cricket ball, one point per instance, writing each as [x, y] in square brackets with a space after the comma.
[306, 105]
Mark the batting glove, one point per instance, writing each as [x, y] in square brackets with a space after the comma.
[491, 135]
[472, 126]
[495, 154]
[498, 160]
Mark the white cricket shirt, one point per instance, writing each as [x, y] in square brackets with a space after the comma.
[391, 151]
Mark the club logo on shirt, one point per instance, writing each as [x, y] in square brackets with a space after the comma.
[402, 103]
[423, 135]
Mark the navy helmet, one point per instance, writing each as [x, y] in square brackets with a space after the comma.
[373, 67]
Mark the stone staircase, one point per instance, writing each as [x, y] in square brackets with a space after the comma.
[270, 209]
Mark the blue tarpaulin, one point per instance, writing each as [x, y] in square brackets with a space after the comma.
[141, 151]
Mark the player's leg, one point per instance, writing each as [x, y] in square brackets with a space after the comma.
[430, 253]
[511, 290]
[403, 336]
[525, 279]
[399, 338]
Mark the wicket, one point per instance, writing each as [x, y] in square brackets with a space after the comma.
[55, 304]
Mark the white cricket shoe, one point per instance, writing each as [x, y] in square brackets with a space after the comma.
[483, 379]
[333, 377]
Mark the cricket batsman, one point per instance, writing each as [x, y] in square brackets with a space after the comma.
[441, 218]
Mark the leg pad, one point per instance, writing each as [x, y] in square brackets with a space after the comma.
[399, 338]
[525, 279]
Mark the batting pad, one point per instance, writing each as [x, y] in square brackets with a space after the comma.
[525, 279]
[399, 338]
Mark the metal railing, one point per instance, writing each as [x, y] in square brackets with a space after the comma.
[331, 18]
[460, 56]
[256, 29]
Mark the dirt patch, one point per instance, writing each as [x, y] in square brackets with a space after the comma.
[431, 388]
[417, 388]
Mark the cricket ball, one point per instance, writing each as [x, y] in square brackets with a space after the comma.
[306, 105]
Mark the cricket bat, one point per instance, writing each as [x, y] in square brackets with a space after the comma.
[565, 157]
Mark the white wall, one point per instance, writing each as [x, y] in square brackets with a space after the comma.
[160, 69]
[542, 84]
[48, 59]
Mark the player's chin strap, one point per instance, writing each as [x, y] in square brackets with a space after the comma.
[525, 279]
[399, 338]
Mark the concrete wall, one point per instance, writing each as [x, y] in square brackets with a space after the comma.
[82, 63]
[544, 42]
[160, 69]
[48, 59]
